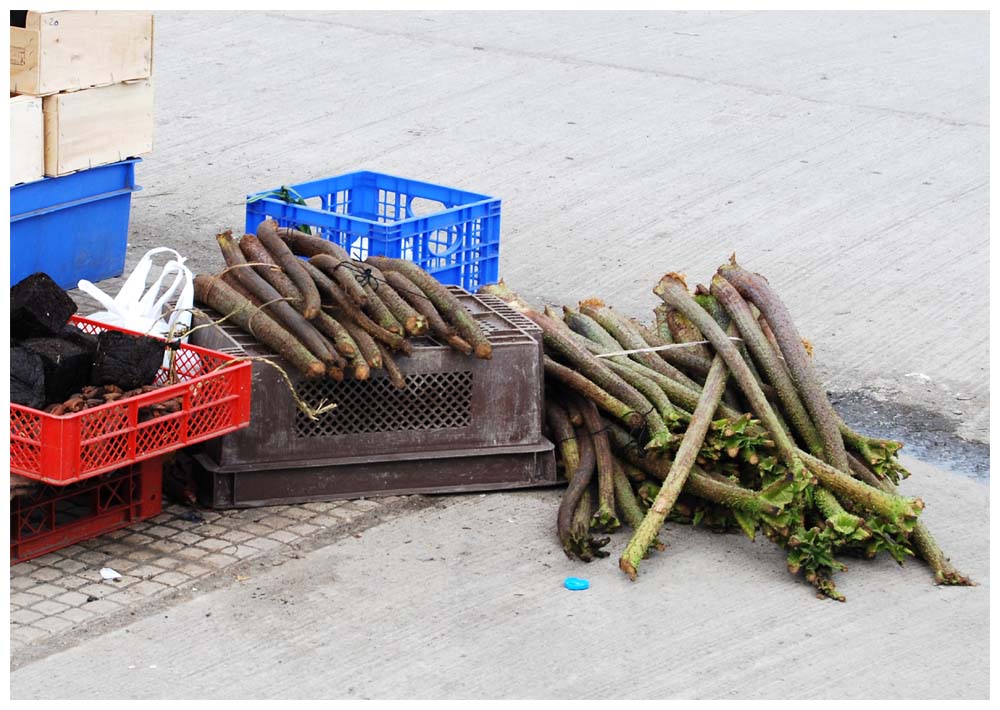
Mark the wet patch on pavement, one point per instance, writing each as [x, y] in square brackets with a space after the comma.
[928, 435]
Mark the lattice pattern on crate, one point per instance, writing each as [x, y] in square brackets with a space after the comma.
[190, 364]
[431, 401]
[97, 454]
[90, 328]
[433, 249]
[390, 205]
[498, 329]
[25, 456]
[117, 494]
[487, 327]
[50, 507]
[503, 309]
[104, 421]
[25, 425]
[163, 433]
[209, 419]
[210, 391]
[26, 452]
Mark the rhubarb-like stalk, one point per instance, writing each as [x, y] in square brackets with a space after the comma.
[604, 518]
[715, 385]
[755, 288]
[768, 360]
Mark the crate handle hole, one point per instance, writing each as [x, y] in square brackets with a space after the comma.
[421, 206]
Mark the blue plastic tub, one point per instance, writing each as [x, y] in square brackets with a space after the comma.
[451, 233]
[72, 227]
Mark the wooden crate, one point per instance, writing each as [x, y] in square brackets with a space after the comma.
[72, 50]
[84, 129]
[26, 151]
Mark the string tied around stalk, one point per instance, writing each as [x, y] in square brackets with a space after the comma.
[659, 348]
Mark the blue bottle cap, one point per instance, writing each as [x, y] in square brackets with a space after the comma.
[576, 584]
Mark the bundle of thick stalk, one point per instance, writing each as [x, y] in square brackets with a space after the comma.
[714, 415]
[331, 315]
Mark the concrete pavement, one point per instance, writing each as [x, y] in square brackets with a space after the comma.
[61, 598]
[465, 600]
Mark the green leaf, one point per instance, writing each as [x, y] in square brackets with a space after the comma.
[747, 523]
[847, 524]
[779, 493]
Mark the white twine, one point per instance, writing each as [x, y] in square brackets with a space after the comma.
[658, 348]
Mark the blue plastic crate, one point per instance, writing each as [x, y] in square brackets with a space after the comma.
[452, 234]
[72, 227]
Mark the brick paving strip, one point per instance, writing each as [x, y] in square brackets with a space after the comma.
[59, 597]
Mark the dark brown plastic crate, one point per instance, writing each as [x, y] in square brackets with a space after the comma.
[454, 405]
[458, 471]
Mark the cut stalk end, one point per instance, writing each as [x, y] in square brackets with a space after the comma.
[949, 576]
[458, 344]
[315, 371]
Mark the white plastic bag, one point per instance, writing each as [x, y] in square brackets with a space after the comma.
[140, 309]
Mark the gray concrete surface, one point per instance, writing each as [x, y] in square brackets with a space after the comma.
[60, 598]
[464, 600]
[844, 156]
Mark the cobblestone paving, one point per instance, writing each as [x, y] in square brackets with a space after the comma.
[62, 590]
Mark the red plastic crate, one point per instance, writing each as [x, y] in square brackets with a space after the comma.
[73, 447]
[54, 517]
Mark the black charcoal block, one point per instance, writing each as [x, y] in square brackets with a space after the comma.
[67, 366]
[87, 341]
[27, 378]
[39, 308]
[128, 361]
